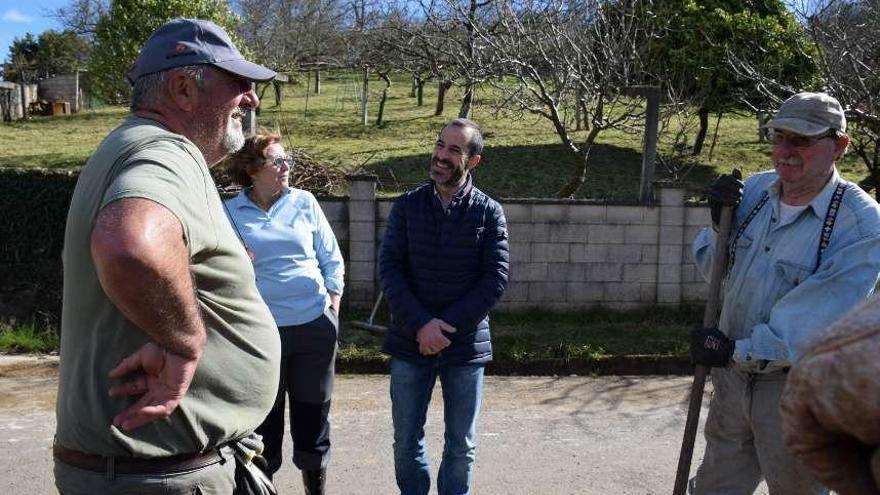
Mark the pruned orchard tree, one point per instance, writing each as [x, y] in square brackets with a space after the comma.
[423, 44]
[361, 22]
[288, 35]
[845, 38]
[451, 31]
[567, 58]
[848, 37]
[406, 40]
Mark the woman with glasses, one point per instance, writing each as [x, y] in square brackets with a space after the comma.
[299, 271]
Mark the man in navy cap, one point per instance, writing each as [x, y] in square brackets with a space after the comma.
[804, 249]
[169, 355]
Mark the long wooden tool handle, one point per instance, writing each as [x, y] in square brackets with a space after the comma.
[710, 315]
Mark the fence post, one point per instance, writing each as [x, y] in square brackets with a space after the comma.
[361, 287]
[652, 119]
[671, 246]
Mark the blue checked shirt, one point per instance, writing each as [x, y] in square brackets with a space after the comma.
[776, 300]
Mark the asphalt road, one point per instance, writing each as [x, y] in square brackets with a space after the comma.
[537, 435]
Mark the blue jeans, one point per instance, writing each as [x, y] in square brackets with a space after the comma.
[411, 387]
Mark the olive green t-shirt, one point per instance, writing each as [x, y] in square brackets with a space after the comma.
[236, 381]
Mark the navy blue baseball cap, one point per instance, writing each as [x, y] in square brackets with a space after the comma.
[182, 41]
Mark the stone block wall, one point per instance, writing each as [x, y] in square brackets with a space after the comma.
[11, 94]
[564, 254]
[67, 87]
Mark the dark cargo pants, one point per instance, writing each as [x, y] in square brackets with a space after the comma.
[308, 354]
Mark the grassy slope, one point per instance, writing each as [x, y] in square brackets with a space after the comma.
[523, 157]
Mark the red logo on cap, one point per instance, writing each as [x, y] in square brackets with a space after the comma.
[180, 48]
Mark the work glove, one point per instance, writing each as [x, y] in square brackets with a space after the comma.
[726, 190]
[710, 347]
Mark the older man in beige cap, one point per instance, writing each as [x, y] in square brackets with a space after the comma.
[804, 249]
[169, 357]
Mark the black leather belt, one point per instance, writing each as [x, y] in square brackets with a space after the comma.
[135, 465]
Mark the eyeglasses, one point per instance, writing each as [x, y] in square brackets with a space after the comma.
[798, 141]
[279, 161]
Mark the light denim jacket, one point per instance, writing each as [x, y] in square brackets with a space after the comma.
[296, 256]
[775, 304]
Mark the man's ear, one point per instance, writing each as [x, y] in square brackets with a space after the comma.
[473, 162]
[183, 91]
[840, 145]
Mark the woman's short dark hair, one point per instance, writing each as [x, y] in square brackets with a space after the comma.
[250, 157]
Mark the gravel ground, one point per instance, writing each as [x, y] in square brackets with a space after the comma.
[537, 435]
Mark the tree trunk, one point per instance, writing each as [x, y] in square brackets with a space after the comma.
[420, 93]
[364, 96]
[715, 136]
[317, 82]
[466, 101]
[415, 84]
[704, 129]
[381, 112]
[574, 184]
[443, 86]
[277, 87]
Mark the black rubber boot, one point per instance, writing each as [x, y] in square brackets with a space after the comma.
[313, 481]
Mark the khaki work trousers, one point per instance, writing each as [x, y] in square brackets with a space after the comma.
[744, 439]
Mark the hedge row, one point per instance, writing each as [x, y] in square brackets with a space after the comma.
[34, 205]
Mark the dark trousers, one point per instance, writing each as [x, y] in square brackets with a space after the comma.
[308, 353]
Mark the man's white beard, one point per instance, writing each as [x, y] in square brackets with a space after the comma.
[233, 138]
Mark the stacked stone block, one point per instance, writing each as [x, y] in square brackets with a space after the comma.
[564, 254]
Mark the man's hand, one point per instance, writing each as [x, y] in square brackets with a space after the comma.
[726, 190]
[164, 381]
[710, 347]
[430, 337]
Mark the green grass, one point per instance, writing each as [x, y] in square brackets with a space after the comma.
[651, 340]
[56, 142]
[523, 156]
[589, 335]
[517, 336]
[28, 338]
[523, 337]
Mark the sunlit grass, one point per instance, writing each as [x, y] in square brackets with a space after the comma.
[28, 338]
[523, 155]
[538, 335]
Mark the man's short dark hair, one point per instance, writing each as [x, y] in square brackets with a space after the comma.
[475, 144]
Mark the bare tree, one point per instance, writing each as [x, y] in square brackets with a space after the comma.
[294, 34]
[566, 54]
[412, 49]
[846, 38]
[81, 16]
[451, 31]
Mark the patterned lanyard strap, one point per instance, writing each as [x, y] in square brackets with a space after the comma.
[742, 228]
[830, 217]
[827, 225]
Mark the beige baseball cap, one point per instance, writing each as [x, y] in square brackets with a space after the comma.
[809, 114]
